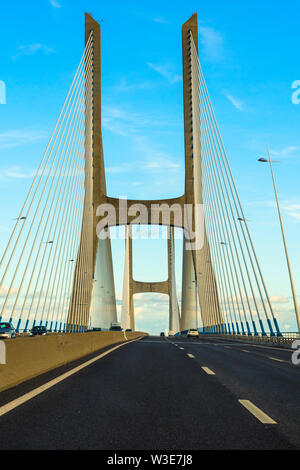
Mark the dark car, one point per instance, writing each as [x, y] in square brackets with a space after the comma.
[115, 328]
[128, 329]
[38, 331]
[162, 334]
[7, 330]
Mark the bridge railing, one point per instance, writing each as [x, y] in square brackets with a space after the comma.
[286, 338]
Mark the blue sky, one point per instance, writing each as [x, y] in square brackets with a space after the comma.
[249, 54]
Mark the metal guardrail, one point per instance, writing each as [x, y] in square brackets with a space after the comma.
[284, 339]
[291, 336]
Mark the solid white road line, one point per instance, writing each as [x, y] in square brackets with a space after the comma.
[208, 371]
[191, 356]
[245, 350]
[182, 349]
[28, 396]
[257, 412]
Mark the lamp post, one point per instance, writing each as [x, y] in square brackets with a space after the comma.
[264, 160]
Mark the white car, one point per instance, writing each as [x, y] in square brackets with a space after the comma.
[192, 333]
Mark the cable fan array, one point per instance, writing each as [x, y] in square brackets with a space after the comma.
[242, 294]
[38, 265]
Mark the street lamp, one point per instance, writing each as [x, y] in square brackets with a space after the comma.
[264, 160]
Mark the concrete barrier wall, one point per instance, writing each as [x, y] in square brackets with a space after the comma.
[28, 357]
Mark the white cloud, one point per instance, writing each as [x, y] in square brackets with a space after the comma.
[156, 160]
[32, 49]
[129, 124]
[119, 169]
[285, 152]
[165, 71]
[55, 4]
[16, 138]
[4, 291]
[160, 19]
[295, 215]
[236, 103]
[121, 122]
[278, 299]
[16, 172]
[124, 86]
[162, 164]
[292, 209]
[212, 43]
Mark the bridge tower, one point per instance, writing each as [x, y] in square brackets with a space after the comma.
[197, 266]
[94, 268]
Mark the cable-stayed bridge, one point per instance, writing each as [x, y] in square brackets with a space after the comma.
[233, 387]
[56, 269]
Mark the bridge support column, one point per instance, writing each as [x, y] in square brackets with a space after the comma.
[174, 315]
[127, 312]
[131, 287]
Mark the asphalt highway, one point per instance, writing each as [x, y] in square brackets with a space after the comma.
[161, 394]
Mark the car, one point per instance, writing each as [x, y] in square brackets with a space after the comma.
[128, 329]
[162, 334]
[193, 333]
[39, 331]
[115, 326]
[7, 330]
[97, 329]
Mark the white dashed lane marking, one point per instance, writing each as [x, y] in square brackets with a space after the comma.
[208, 371]
[257, 412]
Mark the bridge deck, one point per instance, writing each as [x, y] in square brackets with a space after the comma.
[164, 398]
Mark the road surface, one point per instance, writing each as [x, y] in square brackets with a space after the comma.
[162, 394]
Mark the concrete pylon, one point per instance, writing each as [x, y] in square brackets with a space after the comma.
[98, 296]
[174, 313]
[197, 267]
[127, 312]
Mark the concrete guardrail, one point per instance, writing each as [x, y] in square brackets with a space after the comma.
[29, 357]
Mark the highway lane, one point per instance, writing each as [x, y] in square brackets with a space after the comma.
[266, 376]
[149, 394]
